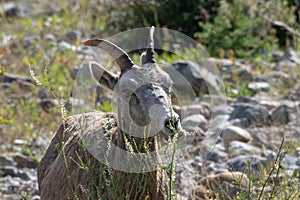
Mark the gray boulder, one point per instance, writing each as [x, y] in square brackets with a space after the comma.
[199, 77]
[249, 113]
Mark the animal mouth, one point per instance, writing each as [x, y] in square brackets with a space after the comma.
[170, 128]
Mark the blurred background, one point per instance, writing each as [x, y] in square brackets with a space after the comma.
[41, 50]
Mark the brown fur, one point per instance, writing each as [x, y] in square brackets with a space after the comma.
[53, 173]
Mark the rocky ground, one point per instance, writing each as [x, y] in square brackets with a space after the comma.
[246, 129]
[237, 145]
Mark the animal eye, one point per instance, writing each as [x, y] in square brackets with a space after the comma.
[127, 92]
[133, 99]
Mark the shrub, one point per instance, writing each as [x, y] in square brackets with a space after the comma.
[245, 26]
[174, 14]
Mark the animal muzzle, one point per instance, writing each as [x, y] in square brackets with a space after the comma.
[172, 124]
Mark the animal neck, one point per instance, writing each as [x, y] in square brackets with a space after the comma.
[128, 142]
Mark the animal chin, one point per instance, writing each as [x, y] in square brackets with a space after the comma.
[167, 132]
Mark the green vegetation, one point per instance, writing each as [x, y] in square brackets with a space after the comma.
[243, 26]
[29, 46]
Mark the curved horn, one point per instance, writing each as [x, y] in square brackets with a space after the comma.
[150, 47]
[120, 56]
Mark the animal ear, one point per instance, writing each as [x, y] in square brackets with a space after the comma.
[103, 76]
[143, 58]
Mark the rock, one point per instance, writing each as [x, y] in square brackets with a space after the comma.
[245, 75]
[236, 178]
[194, 122]
[224, 185]
[19, 142]
[291, 55]
[40, 142]
[35, 197]
[25, 161]
[269, 155]
[240, 122]
[48, 101]
[220, 62]
[249, 113]
[277, 55]
[179, 168]
[217, 154]
[261, 137]
[191, 73]
[290, 160]
[222, 109]
[286, 64]
[14, 172]
[193, 110]
[297, 151]
[197, 164]
[259, 86]
[240, 148]
[65, 45]
[180, 197]
[214, 168]
[279, 115]
[219, 122]
[294, 94]
[231, 133]
[11, 78]
[233, 74]
[11, 9]
[9, 185]
[288, 60]
[6, 161]
[245, 163]
[49, 37]
[199, 77]
[30, 40]
[274, 78]
[74, 35]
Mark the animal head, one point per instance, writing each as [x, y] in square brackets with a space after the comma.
[143, 91]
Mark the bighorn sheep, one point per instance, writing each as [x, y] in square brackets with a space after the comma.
[69, 171]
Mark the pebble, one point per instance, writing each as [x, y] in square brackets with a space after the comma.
[245, 163]
[35, 197]
[219, 122]
[259, 86]
[217, 154]
[231, 133]
[279, 115]
[291, 55]
[192, 73]
[225, 185]
[14, 172]
[74, 35]
[194, 122]
[6, 161]
[11, 9]
[19, 142]
[237, 148]
[193, 110]
[249, 113]
[222, 109]
[25, 161]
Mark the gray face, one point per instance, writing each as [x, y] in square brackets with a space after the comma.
[144, 98]
[143, 92]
